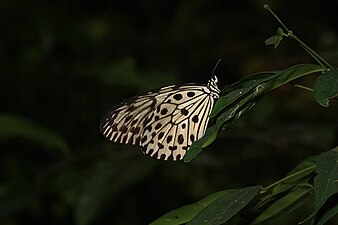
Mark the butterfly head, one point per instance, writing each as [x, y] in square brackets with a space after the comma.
[212, 85]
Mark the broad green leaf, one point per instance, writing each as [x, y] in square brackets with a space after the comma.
[326, 182]
[285, 204]
[196, 147]
[236, 110]
[16, 127]
[186, 213]
[222, 209]
[266, 81]
[290, 74]
[329, 214]
[240, 89]
[326, 87]
[225, 101]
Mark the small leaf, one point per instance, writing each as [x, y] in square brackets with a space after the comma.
[222, 209]
[186, 213]
[276, 39]
[326, 87]
[280, 32]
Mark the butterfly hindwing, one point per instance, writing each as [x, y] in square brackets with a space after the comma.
[178, 121]
[125, 123]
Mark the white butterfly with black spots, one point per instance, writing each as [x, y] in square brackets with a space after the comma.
[163, 122]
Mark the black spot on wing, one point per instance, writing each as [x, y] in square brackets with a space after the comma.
[169, 138]
[192, 137]
[180, 139]
[190, 94]
[128, 118]
[184, 112]
[144, 139]
[178, 97]
[123, 129]
[195, 119]
[114, 127]
[164, 111]
[158, 126]
[172, 148]
[160, 135]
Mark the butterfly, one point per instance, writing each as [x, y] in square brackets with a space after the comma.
[163, 122]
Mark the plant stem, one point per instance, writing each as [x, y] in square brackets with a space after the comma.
[302, 87]
[322, 62]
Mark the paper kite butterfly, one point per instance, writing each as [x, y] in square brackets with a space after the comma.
[163, 122]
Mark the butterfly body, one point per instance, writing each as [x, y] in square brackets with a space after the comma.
[164, 122]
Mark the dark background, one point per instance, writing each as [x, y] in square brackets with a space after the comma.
[64, 64]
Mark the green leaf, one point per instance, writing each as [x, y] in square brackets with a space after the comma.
[186, 213]
[222, 209]
[285, 204]
[290, 74]
[17, 127]
[276, 39]
[236, 111]
[326, 87]
[240, 89]
[326, 182]
[266, 81]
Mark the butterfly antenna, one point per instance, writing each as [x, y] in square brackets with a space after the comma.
[213, 71]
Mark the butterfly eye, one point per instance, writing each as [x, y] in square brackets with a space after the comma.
[164, 122]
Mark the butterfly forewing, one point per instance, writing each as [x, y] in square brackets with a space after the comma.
[164, 122]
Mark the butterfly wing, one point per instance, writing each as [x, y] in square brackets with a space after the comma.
[178, 121]
[163, 122]
[125, 123]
